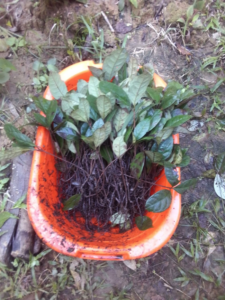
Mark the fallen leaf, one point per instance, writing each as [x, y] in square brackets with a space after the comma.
[209, 173]
[76, 276]
[208, 157]
[183, 50]
[131, 264]
[199, 137]
[197, 114]
[219, 186]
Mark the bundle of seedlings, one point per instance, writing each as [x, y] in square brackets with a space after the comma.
[113, 137]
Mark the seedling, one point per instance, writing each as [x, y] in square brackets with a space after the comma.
[106, 122]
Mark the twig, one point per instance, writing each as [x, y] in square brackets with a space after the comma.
[169, 286]
[164, 34]
[107, 21]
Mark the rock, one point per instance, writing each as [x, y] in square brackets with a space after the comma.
[121, 27]
[174, 11]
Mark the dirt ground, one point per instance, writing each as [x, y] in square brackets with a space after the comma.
[154, 276]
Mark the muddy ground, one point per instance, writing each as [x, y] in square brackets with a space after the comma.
[147, 41]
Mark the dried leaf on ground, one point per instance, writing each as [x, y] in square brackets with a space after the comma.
[131, 264]
[76, 276]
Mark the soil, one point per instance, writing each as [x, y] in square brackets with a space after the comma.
[154, 277]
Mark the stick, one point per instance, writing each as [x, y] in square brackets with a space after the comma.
[18, 187]
[23, 241]
[107, 21]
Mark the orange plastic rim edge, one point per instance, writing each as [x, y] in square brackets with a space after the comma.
[52, 224]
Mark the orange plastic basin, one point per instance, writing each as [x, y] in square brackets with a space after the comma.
[59, 233]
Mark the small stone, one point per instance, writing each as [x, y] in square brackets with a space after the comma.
[174, 11]
[121, 27]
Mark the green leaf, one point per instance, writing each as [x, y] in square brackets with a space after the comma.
[119, 119]
[127, 134]
[121, 5]
[202, 275]
[217, 85]
[4, 167]
[4, 77]
[92, 101]
[169, 100]
[134, 2]
[119, 146]
[185, 185]
[132, 67]
[166, 147]
[178, 155]
[138, 87]
[110, 117]
[93, 86]
[66, 133]
[83, 112]
[97, 124]
[12, 153]
[6, 66]
[70, 101]
[122, 74]
[190, 11]
[220, 163]
[143, 222]
[3, 182]
[155, 119]
[185, 159]
[159, 201]
[72, 202]
[40, 119]
[37, 65]
[114, 62]
[57, 86]
[155, 93]
[41, 103]
[104, 106]
[117, 91]
[199, 5]
[101, 134]
[15, 135]
[82, 87]
[19, 203]
[197, 295]
[171, 176]
[137, 165]
[4, 216]
[106, 153]
[96, 71]
[51, 112]
[154, 157]
[176, 121]
[142, 128]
